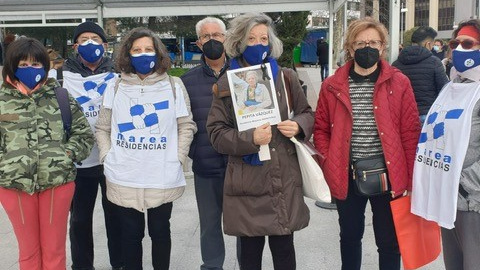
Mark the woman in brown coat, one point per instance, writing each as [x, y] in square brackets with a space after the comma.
[261, 199]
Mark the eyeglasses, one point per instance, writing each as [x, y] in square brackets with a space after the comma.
[376, 44]
[215, 36]
[466, 43]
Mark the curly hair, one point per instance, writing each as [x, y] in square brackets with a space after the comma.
[361, 25]
[239, 29]
[122, 61]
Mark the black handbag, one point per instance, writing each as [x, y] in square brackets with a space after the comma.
[370, 176]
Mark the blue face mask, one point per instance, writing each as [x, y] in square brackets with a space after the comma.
[254, 55]
[143, 62]
[465, 59]
[91, 51]
[30, 76]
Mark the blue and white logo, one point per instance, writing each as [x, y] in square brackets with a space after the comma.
[94, 90]
[144, 115]
[435, 124]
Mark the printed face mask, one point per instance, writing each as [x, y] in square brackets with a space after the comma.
[30, 76]
[367, 57]
[254, 55]
[143, 62]
[213, 49]
[91, 51]
[465, 59]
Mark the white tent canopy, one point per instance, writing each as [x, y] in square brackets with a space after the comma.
[41, 13]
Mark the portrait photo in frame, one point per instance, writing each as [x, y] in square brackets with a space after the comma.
[254, 97]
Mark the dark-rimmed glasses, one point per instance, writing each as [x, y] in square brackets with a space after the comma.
[376, 44]
[466, 43]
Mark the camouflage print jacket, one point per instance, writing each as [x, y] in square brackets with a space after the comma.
[34, 153]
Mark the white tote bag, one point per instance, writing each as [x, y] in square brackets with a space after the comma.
[314, 185]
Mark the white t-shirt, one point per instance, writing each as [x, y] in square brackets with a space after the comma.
[89, 91]
[441, 152]
[144, 136]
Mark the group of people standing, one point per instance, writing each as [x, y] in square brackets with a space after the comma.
[128, 127]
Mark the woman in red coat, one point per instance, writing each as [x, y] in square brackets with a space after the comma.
[367, 108]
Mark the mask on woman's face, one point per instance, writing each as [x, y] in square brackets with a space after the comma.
[436, 48]
[465, 59]
[367, 57]
[30, 76]
[213, 49]
[254, 55]
[91, 51]
[143, 62]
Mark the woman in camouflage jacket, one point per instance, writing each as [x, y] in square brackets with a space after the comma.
[37, 157]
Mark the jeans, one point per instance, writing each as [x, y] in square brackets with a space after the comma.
[281, 246]
[81, 218]
[324, 71]
[133, 231]
[351, 212]
[209, 193]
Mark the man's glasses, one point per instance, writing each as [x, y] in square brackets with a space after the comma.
[376, 44]
[466, 43]
[216, 36]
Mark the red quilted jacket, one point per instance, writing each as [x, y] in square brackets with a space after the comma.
[397, 121]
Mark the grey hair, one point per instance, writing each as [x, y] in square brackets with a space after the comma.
[202, 22]
[237, 35]
[250, 73]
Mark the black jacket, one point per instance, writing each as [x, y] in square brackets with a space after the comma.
[322, 52]
[426, 74]
[199, 81]
[73, 64]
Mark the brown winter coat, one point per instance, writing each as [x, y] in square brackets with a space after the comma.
[268, 199]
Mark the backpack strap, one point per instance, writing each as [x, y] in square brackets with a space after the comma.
[172, 83]
[65, 110]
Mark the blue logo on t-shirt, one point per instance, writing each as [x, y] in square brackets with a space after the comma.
[438, 128]
[143, 116]
[91, 86]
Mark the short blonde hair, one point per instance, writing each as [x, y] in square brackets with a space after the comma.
[361, 25]
[239, 28]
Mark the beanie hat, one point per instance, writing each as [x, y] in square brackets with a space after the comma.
[89, 27]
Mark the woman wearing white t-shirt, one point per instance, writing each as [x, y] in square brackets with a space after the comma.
[144, 131]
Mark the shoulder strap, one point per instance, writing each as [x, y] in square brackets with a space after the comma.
[172, 83]
[286, 84]
[64, 105]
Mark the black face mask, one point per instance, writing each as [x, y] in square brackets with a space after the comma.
[367, 57]
[213, 49]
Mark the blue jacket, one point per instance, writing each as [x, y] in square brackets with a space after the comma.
[199, 81]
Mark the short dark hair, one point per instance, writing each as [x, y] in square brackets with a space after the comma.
[423, 33]
[439, 40]
[24, 49]
[473, 22]
[122, 61]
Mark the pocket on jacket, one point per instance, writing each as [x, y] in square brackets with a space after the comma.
[242, 179]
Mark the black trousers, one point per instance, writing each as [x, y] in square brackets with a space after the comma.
[81, 218]
[133, 231]
[281, 246]
[351, 214]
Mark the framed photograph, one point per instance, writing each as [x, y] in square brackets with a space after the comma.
[254, 98]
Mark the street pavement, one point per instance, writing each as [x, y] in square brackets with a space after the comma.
[317, 246]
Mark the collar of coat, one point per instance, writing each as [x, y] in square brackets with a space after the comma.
[340, 80]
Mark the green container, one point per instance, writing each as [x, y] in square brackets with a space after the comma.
[296, 55]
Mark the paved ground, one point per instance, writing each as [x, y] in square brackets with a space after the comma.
[317, 246]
